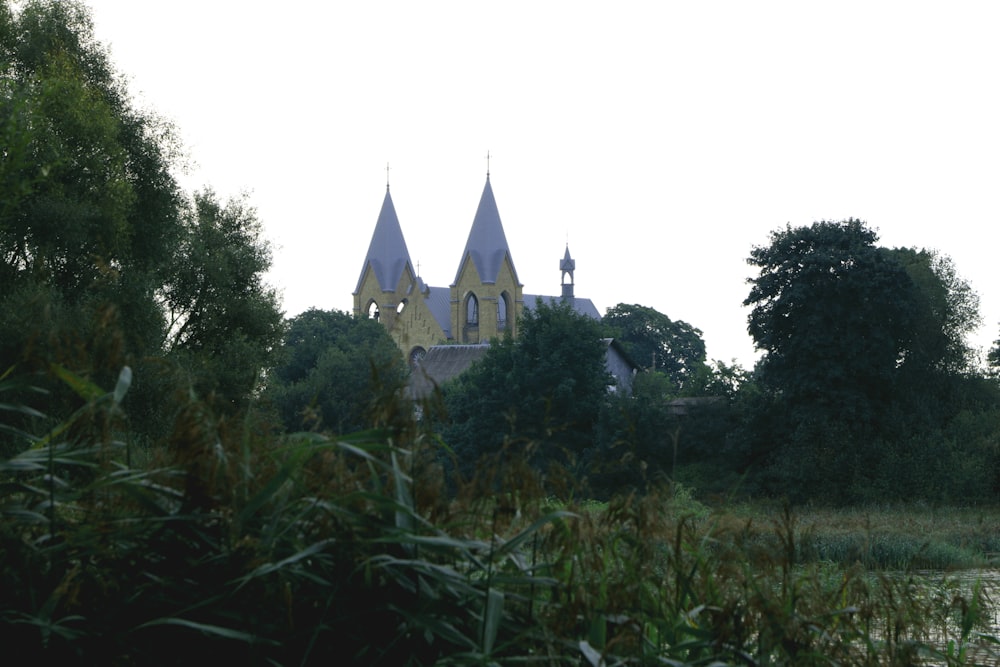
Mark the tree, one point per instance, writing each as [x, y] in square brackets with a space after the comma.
[833, 314]
[90, 210]
[993, 357]
[947, 312]
[100, 197]
[544, 389]
[325, 376]
[865, 362]
[656, 342]
[96, 239]
[223, 321]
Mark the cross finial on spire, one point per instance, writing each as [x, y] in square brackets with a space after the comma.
[487, 164]
[386, 176]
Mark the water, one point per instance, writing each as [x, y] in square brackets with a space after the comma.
[969, 598]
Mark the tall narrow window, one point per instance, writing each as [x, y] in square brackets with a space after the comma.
[502, 309]
[472, 310]
[373, 310]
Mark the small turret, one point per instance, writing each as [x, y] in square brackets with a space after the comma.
[567, 266]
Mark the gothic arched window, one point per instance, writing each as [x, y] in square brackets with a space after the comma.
[472, 310]
[503, 307]
[373, 310]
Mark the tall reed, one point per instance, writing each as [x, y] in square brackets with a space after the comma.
[314, 549]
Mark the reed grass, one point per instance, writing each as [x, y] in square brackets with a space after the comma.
[314, 549]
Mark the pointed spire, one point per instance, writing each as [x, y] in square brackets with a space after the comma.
[387, 253]
[567, 265]
[487, 244]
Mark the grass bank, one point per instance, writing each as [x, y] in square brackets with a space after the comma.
[887, 538]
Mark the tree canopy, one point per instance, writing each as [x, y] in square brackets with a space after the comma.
[545, 388]
[866, 367]
[103, 260]
[656, 342]
[833, 314]
[329, 366]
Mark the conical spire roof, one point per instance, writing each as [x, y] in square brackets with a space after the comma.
[487, 244]
[387, 253]
[567, 263]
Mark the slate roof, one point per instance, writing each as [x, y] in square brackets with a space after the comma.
[487, 244]
[387, 252]
[438, 300]
[580, 305]
[442, 363]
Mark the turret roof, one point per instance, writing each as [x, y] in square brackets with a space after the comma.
[567, 263]
[387, 252]
[487, 244]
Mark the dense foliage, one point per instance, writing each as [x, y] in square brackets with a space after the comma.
[657, 343]
[333, 367]
[542, 392]
[103, 261]
[865, 370]
[833, 314]
[311, 550]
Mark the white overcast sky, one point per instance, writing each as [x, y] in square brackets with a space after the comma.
[663, 139]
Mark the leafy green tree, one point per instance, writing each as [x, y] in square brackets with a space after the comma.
[865, 361]
[90, 211]
[98, 244]
[833, 314]
[333, 366]
[545, 390]
[100, 198]
[993, 357]
[654, 341]
[718, 379]
[223, 322]
[947, 311]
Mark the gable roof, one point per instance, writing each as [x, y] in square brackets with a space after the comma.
[443, 363]
[438, 301]
[579, 304]
[387, 253]
[487, 244]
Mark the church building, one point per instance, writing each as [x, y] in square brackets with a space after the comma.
[484, 301]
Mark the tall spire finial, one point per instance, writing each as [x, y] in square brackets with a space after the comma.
[487, 165]
[386, 176]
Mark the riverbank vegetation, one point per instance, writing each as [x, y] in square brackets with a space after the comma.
[308, 549]
[186, 474]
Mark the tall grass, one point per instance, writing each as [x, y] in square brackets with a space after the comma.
[312, 549]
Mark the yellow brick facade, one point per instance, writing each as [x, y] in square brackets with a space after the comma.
[484, 302]
[481, 311]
